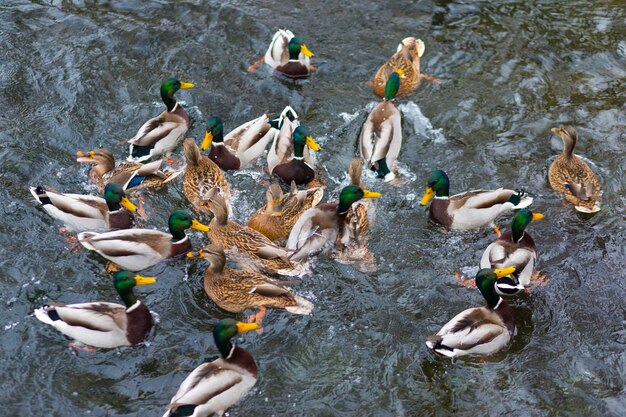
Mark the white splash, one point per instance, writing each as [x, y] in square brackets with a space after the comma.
[421, 124]
[347, 117]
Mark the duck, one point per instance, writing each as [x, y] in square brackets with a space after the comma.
[471, 209]
[351, 243]
[515, 248]
[87, 212]
[160, 134]
[406, 58]
[132, 176]
[480, 330]
[214, 387]
[241, 146]
[138, 249]
[244, 244]
[381, 136]
[103, 324]
[281, 211]
[201, 175]
[287, 159]
[320, 226]
[572, 177]
[288, 55]
[236, 290]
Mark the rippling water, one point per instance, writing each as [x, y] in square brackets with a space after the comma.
[82, 75]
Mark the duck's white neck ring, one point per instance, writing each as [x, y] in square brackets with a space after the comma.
[133, 307]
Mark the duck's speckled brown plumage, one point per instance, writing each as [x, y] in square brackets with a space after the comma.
[201, 175]
[407, 58]
[583, 187]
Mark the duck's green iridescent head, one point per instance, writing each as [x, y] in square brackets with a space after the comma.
[296, 45]
[520, 220]
[438, 184]
[180, 221]
[393, 84]
[226, 329]
[214, 132]
[115, 196]
[486, 279]
[352, 194]
[301, 138]
[125, 281]
[168, 88]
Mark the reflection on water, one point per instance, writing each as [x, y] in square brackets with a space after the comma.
[83, 75]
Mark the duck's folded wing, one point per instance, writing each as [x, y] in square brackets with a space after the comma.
[470, 328]
[278, 52]
[100, 316]
[307, 236]
[205, 382]
[124, 243]
[154, 130]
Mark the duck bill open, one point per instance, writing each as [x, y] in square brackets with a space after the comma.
[195, 224]
[141, 280]
[312, 144]
[206, 142]
[428, 195]
[126, 203]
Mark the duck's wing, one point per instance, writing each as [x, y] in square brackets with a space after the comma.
[277, 53]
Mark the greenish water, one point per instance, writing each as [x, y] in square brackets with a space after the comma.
[82, 75]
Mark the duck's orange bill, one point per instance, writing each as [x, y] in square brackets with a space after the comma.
[428, 195]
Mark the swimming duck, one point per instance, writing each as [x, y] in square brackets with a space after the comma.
[319, 226]
[241, 146]
[406, 58]
[160, 134]
[287, 159]
[201, 175]
[281, 211]
[471, 209]
[138, 249]
[480, 330]
[572, 177]
[236, 290]
[87, 212]
[214, 387]
[288, 55]
[351, 243]
[103, 324]
[246, 245]
[130, 175]
[381, 136]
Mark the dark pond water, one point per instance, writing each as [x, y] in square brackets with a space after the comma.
[83, 75]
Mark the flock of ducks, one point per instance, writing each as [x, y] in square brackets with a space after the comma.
[291, 227]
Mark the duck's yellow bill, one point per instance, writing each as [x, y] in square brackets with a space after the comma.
[400, 72]
[538, 216]
[85, 156]
[194, 254]
[246, 327]
[206, 142]
[306, 51]
[127, 204]
[428, 195]
[371, 194]
[139, 280]
[195, 224]
[185, 85]
[312, 144]
[504, 271]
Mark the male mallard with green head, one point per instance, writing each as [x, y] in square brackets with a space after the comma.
[287, 159]
[160, 134]
[287, 55]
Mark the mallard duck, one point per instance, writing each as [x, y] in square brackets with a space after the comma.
[288, 55]
[130, 175]
[160, 134]
[572, 177]
[241, 146]
[214, 387]
[351, 243]
[103, 324]
[381, 135]
[246, 245]
[281, 211]
[319, 226]
[471, 209]
[480, 330]
[406, 58]
[236, 290]
[287, 159]
[515, 248]
[87, 212]
[201, 175]
[138, 249]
